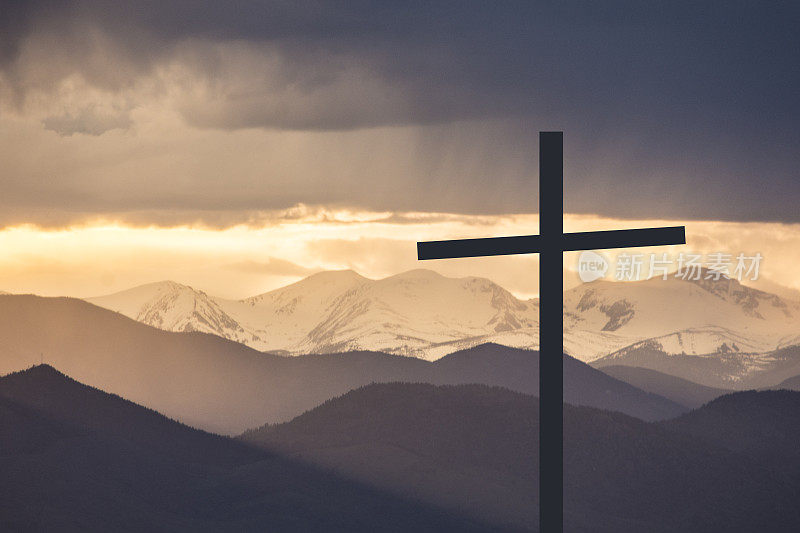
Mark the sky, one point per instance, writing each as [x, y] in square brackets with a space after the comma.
[238, 146]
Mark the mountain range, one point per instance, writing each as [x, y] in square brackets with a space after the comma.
[417, 313]
[721, 369]
[219, 385]
[75, 458]
[792, 383]
[372, 441]
[717, 332]
[473, 449]
[681, 391]
[391, 457]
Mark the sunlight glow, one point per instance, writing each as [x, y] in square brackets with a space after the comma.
[248, 259]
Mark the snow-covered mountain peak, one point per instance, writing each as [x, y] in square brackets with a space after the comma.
[416, 275]
[341, 310]
[322, 284]
[409, 312]
[754, 302]
[133, 300]
[172, 306]
[694, 328]
[347, 276]
[426, 314]
[657, 307]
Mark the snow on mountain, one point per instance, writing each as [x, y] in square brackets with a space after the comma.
[713, 339]
[424, 314]
[655, 308]
[788, 340]
[419, 313]
[588, 345]
[714, 332]
[724, 368]
[281, 319]
[174, 307]
[407, 312]
[769, 286]
[706, 340]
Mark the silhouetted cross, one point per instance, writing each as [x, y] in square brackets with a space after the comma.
[550, 245]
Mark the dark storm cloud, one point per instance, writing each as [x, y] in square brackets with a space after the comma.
[672, 110]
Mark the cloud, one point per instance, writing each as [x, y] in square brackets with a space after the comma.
[272, 266]
[327, 65]
[88, 121]
[681, 110]
[244, 261]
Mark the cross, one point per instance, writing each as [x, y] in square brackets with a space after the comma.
[550, 245]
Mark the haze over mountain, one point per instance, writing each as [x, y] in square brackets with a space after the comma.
[219, 385]
[681, 391]
[474, 449]
[427, 315]
[77, 459]
[790, 384]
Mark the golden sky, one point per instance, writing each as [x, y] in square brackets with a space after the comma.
[245, 260]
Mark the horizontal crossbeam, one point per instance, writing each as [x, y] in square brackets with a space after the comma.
[624, 238]
[568, 242]
[525, 244]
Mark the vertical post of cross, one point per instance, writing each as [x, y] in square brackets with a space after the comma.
[551, 371]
